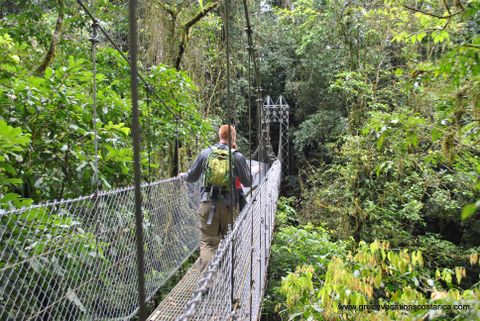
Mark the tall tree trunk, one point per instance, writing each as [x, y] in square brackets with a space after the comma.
[57, 34]
[181, 49]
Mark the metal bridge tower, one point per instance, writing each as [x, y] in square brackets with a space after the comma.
[276, 113]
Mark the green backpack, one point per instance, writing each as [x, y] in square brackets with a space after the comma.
[217, 168]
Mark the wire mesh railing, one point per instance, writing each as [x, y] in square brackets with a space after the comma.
[76, 259]
[223, 295]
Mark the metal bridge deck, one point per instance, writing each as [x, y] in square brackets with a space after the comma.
[174, 303]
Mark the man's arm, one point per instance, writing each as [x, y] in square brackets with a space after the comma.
[196, 169]
[243, 169]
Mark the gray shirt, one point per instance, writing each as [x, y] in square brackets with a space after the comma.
[240, 170]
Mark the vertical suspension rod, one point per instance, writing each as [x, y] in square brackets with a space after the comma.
[94, 40]
[260, 156]
[150, 134]
[248, 30]
[251, 180]
[176, 162]
[229, 122]
[136, 138]
[251, 48]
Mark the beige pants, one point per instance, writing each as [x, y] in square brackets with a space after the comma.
[211, 234]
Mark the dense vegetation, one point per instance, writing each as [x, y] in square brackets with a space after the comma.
[53, 107]
[324, 273]
[385, 108]
[386, 99]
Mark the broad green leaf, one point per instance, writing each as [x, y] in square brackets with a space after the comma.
[470, 209]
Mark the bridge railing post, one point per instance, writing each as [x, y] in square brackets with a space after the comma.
[231, 260]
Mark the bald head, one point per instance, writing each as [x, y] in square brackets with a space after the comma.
[223, 134]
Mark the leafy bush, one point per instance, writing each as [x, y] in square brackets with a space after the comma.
[296, 246]
[316, 136]
[371, 275]
[286, 213]
[12, 144]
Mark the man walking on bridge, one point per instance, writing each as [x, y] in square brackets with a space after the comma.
[219, 197]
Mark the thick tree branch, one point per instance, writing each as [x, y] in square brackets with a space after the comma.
[432, 14]
[167, 8]
[446, 6]
[200, 15]
[186, 29]
[471, 46]
[57, 34]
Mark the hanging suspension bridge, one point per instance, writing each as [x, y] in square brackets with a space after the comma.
[97, 280]
[103, 256]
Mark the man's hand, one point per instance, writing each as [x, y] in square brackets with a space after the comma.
[183, 176]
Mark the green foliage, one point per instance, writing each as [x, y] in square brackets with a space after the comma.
[408, 163]
[292, 247]
[298, 288]
[385, 122]
[316, 136]
[393, 181]
[57, 114]
[296, 246]
[373, 274]
[12, 143]
[286, 213]
[470, 209]
[386, 107]
[305, 245]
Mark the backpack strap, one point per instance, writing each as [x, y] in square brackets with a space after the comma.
[208, 155]
[204, 165]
